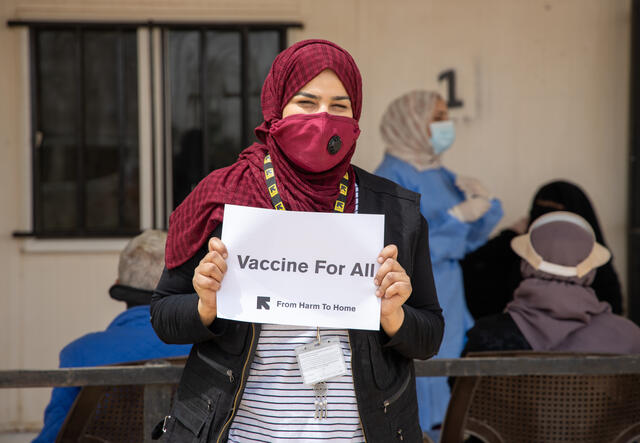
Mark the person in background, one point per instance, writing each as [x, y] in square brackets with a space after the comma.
[492, 272]
[129, 337]
[554, 308]
[461, 213]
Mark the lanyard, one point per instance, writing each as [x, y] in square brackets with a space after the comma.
[276, 200]
[337, 359]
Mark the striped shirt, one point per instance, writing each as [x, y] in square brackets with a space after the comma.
[277, 406]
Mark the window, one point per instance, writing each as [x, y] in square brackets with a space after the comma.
[215, 80]
[85, 120]
[128, 118]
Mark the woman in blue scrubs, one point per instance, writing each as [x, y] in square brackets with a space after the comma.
[460, 211]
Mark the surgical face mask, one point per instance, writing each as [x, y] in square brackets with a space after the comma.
[442, 135]
[316, 142]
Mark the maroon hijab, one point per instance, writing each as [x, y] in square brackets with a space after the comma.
[243, 183]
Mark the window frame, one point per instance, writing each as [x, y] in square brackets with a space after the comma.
[244, 29]
[80, 231]
[158, 166]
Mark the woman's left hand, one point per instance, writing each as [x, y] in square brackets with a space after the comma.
[394, 288]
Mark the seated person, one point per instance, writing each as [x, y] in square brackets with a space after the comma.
[492, 272]
[554, 308]
[129, 337]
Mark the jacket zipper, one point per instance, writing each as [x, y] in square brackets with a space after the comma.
[397, 395]
[217, 366]
[354, 387]
[242, 382]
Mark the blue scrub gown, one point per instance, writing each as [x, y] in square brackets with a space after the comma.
[449, 241]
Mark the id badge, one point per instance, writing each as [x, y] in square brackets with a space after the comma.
[319, 362]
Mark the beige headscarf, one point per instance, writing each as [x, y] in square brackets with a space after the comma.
[404, 129]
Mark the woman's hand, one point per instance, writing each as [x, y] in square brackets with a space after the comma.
[207, 278]
[394, 288]
[472, 187]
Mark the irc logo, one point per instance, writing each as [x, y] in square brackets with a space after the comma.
[263, 302]
[339, 206]
[343, 189]
[268, 173]
[273, 190]
[279, 206]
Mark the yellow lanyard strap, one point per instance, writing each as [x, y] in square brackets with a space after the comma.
[276, 200]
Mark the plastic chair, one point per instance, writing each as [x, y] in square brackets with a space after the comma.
[543, 408]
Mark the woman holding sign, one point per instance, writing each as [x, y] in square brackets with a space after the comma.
[245, 381]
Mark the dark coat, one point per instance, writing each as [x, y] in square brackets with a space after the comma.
[495, 333]
[492, 272]
[383, 371]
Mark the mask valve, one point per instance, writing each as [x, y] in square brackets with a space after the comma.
[334, 145]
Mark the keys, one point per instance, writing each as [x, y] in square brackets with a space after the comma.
[320, 390]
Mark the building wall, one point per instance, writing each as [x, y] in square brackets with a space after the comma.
[545, 85]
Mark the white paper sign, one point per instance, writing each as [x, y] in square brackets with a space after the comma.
[301, 268]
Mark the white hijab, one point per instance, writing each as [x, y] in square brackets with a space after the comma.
[404, 129]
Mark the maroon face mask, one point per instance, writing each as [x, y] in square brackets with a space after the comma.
[316, 142]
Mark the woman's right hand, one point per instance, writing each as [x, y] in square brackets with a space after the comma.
[472, 187]
[471, 209]
[207, 278]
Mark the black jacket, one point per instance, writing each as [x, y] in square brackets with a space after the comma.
[383, 373]
[495, 333]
